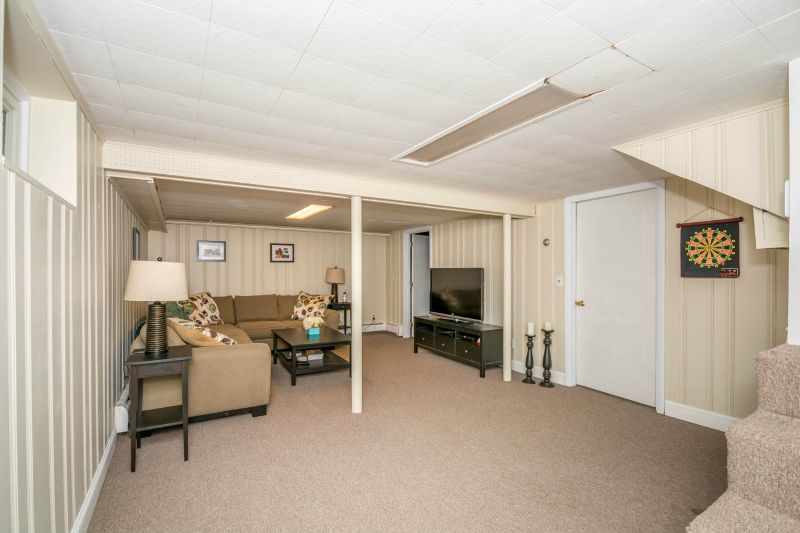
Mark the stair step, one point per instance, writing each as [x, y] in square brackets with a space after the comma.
[764, 461]
[733, 513]
[778, 375]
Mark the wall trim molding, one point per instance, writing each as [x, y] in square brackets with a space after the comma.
[555, 376]
[87, 508]
[701, 417]
[394, 328]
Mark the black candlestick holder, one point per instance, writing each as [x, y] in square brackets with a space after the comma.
[547, 360]
[529, 361]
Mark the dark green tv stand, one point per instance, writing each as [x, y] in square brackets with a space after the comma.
[479, 345]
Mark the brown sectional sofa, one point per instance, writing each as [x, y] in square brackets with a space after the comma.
[233, 378]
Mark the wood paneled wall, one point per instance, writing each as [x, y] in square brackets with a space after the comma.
[248, 270]
[715, 327]
[394, 278]
[65, 334]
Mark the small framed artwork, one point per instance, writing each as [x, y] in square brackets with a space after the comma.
[281, 253]
[211, 251]
[136, 244]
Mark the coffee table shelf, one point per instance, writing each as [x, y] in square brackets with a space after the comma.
[288, 342]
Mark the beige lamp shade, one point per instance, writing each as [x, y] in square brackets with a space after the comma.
[156, 281]
[334, 275]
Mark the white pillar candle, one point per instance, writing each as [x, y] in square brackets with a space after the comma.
[531, 329]
[548, 326]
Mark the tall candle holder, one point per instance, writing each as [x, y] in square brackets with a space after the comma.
[529, 362]
[547, 360]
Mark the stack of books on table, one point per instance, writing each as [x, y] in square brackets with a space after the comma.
[309, 356]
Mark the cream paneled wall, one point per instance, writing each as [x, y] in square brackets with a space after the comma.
[715, 327]
[248, 270]
[394, 278]
[65, 336]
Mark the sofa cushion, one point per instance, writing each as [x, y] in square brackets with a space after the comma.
[286, 306]
[204, 309]
[235, 333]
[253, 308]
[196, 335]
[310, 305]
[262, 329]
[226, 310]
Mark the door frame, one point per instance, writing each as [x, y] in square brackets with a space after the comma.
[570, 255]
[406, 322]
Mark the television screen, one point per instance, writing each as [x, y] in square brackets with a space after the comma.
[457, 293]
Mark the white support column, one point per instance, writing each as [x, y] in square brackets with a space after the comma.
[356, 305]
[506, 297]
[793, 336]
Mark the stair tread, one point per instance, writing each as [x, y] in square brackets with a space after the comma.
[778, 377]
[769, 428]
[735, 513]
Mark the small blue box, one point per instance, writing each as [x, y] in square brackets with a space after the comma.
[313, 332]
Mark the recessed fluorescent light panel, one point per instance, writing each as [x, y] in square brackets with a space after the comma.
[309, 211]
[544, 100]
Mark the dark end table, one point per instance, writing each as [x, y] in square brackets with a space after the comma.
[140, 366]
[287, 342]
[344, 307]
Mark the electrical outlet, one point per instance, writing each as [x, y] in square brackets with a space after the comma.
[373, 317]
[559, 281]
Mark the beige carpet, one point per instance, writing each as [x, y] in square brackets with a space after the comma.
[436, 449]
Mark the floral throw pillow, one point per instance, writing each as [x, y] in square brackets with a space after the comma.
[196, 335]
[204, 310]
[310, 305]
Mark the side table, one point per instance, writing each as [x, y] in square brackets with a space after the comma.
[173, 363]
[345, 308]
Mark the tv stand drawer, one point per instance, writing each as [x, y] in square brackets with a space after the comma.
[423, 337]
[445, 342]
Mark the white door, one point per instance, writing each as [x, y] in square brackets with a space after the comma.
[420, 276]
[615, 290]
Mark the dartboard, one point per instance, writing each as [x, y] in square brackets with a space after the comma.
[710, 247]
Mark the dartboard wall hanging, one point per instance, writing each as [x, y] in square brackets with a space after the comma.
[710, 249]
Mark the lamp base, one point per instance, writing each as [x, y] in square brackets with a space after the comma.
[156, 329]
[335, 291]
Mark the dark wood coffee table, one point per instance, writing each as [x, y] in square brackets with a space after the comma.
[287, 342]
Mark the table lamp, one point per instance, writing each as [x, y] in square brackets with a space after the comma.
[155, 282]
[334, 276]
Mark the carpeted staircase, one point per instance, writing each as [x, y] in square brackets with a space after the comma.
[763, 455]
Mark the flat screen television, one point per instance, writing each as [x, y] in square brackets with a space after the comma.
[457, 293]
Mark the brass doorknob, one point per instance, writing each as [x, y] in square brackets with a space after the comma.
[580, 303]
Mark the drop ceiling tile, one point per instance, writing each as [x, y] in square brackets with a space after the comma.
[155, 31]
[637, 93]
[110, 116]
[431, 65]
[154, 102]
[615, 20]
[298, 106]
[76, 19]
[221, 150]
[230, 117]
[100, 91]
[409, 132]
[600, 72]
[760, 12]
[673, 112]
[162, 125]
[157, 73]
[200, 9]
[576, 117]
[613, 131]
[784, 34]
[735, 56]
[328, 80]
[485, 28]
[227, 136]
[693, 30]
[293, 130]
[246, 57]
[486, 85]
[392, 98]
[85, 56]
[762, 84]
[288, 23]
[166, 141]
[444, 112]
[560, 5]
[123, 135]
[237, 92]
[347, 33]
[552, 47]
[544, 163]
[416, 16]
[364, 122]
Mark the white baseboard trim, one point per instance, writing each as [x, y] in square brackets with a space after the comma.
[121, 418]
[87, 508]
[369, 328]
[698, 416]
[555, 376]
[394, 328]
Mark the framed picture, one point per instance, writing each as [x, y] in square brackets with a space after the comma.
[281, 253]
[135, 244]
[211, 251]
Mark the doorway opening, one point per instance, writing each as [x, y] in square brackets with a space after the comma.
[416, 276]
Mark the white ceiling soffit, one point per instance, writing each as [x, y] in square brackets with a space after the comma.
[345, 86]
[141, 195]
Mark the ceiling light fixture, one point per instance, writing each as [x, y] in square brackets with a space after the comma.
[532, 104]
[309, 211]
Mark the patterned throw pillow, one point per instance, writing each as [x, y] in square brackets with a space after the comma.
[204, 310]
[179, 309]
[196, 335]
[310, 305]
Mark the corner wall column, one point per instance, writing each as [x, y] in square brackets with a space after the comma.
[793, 336]
[356, 305]
[506, 297]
